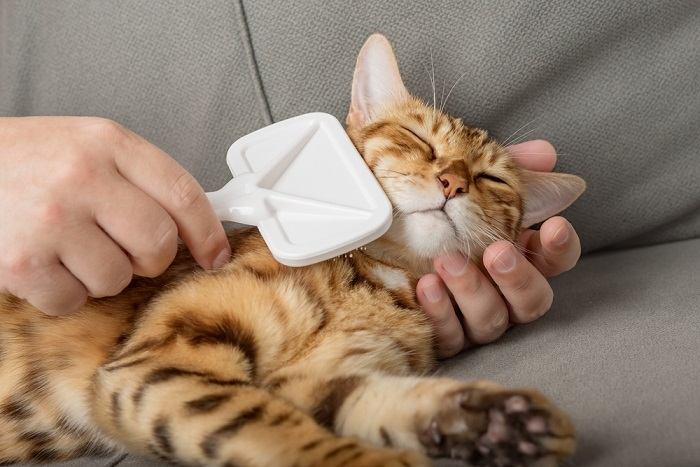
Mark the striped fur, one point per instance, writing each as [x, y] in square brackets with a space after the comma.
[259, 364]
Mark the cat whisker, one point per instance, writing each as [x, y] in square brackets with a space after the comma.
[442, 107]
[508, 139]
[394, 171]
[566, 154]
[432, 79]
[468, 243]
[496, 234]
[522, 138]
[431, 83]
[442, 94]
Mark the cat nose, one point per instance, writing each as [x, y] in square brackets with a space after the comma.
[452, 185]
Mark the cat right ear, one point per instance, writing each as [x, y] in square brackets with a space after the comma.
[546, 194]
[376, 81]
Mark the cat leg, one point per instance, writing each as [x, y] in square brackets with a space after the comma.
[480, 422]
[176, 406]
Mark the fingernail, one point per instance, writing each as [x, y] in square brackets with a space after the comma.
[561, 236]
[455, 264]
[433, 292]
[222, 258]
[505, 261]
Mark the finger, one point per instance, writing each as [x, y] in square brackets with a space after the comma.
[534, 155]
[96, 261]
[436, 303]
[485, 313]
[53, 290]
[164, 180]
[555, 248]
[525, 289]
[139, 225]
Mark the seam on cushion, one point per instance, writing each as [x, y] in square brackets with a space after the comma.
[252, 63]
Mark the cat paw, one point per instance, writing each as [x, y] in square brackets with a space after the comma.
[487, 425]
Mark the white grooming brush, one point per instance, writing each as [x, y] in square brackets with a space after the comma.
[307, 189]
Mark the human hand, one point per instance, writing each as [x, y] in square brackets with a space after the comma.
[86, 203]
[521, 293]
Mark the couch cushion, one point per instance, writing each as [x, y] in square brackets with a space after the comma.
[614, 85]
[619, 351]
[179, 73]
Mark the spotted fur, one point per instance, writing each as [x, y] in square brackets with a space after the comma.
[265, 365]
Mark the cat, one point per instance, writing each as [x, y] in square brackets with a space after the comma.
[259, 364]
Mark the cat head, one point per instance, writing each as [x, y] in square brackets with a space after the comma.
[451, 185]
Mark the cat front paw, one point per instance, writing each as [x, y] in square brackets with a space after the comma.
[487, 425]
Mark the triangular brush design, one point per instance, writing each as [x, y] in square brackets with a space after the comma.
[304, 185]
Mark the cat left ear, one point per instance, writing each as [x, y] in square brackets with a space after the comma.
[376, 82]
[546, 194]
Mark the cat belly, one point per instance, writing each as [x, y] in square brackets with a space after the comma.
[46, 371]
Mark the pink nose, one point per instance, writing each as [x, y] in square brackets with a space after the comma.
[452, 185]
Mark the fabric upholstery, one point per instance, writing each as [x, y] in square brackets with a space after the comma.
[614, 85]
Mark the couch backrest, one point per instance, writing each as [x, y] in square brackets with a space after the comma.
[614, 85]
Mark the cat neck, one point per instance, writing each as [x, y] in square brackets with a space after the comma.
[396, 256]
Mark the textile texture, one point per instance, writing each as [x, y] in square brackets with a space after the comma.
[614, 85]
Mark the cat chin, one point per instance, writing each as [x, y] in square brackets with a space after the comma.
[415, 240]
[430, 233]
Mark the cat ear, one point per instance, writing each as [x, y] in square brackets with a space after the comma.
[376, 81]
[546, 194]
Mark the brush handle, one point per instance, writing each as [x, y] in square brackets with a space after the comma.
[239, 201]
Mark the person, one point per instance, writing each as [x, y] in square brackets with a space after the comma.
[86, 204]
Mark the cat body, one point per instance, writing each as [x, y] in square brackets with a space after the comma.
[259, 364]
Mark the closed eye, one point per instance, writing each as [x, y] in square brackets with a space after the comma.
[430, 147]
[487, 176]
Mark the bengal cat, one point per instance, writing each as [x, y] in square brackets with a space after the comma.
[258, 364]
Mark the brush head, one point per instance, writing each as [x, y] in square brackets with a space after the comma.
[307, 189]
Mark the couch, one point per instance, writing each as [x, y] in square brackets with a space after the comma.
[615, 86]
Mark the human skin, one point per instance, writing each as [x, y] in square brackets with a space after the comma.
[86, 204]
[468, 307]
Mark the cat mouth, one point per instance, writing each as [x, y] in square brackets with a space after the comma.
[438, 211]
[440, 208]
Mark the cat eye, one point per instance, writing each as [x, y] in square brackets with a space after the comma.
[487, 176]
[431, 157]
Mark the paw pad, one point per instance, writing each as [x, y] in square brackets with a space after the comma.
[494, 428]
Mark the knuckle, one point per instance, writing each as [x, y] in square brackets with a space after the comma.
[114, 284]
[491, 328]
[20, 265]
[214, 238]
[162, 252]
[443, 317]
[165, 235]
[71, 303]
[50, 214]
[538, 306]
[521, 284]
[59, 303]
[77, 168]
[186, 192]
[471, 284]
[497, 324]
[106, 129]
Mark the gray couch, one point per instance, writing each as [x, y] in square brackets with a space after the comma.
[614, 85]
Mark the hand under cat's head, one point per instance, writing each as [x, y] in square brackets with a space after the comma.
[452, 187]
